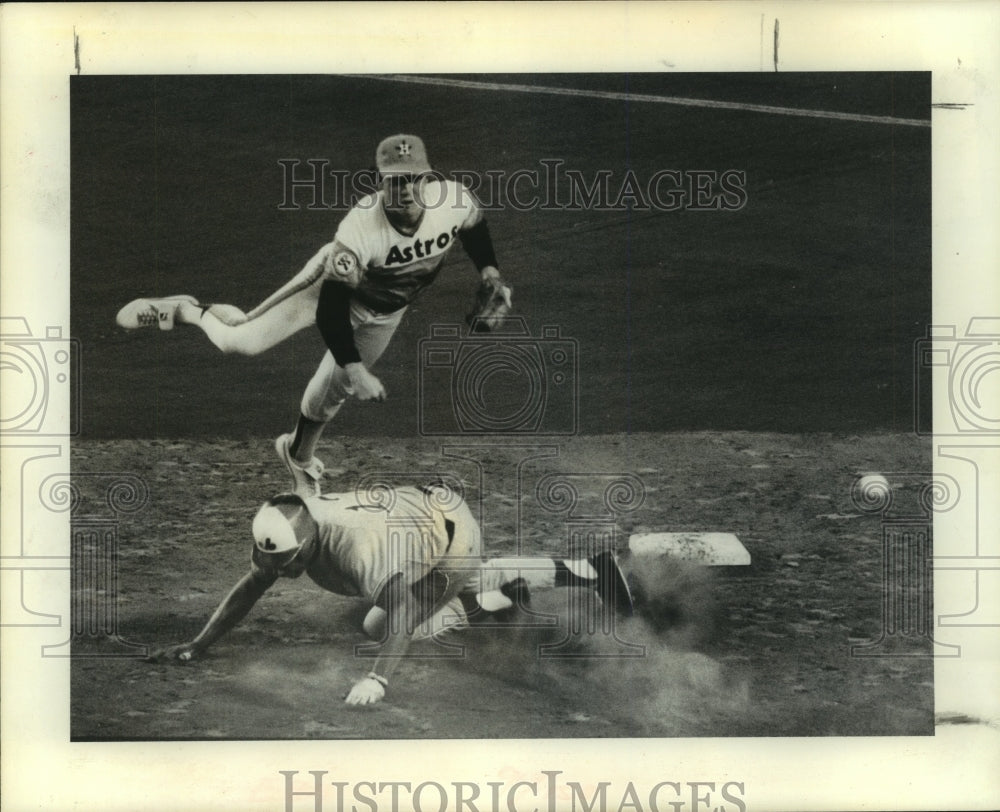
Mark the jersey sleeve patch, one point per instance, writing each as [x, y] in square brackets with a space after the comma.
[342, 266]
[344, 263]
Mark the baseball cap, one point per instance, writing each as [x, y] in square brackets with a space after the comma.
[402, 155]
[272, 530]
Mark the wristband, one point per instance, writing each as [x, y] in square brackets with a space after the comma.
[378, 678]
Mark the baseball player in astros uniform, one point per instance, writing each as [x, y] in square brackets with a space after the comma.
[413, 553]
[356, 289]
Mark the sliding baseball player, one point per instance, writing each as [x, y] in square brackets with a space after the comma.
[414, 554]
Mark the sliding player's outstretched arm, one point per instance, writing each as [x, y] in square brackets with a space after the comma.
[232, 610]
[405, 613]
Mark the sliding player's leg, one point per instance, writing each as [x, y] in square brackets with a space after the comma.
[503, 582]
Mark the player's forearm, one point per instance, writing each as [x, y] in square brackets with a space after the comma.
[333, 318]
[403, 617]
[232, 610]
[479, 246]
[393, 649]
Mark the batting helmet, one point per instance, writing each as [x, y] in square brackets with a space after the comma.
[274, 526]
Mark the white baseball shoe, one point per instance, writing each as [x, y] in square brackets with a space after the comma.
[149, 312]
[306, 477]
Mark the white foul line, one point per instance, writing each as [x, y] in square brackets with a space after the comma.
[642, 97]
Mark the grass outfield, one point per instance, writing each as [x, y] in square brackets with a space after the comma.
[797, 312]
[763, 650]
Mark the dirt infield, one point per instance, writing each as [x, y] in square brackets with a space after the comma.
[763, 650]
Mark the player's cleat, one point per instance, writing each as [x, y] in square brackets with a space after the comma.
[151, 312]
[612, 587]
[306, 477]
[517, 592]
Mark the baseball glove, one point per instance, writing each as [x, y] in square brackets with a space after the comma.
[492, 304]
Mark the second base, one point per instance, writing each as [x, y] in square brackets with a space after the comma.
[710, 549]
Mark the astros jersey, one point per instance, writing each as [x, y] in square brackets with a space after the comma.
[362, 543]
[396, 267]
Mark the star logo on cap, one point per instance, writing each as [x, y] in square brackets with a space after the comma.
[403, 148]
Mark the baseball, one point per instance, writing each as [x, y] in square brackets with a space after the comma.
[873, 482]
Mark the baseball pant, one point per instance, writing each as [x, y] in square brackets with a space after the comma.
[287, 311]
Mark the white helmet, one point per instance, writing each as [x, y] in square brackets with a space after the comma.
[273, 529]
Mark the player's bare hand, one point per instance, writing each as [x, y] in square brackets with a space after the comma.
[364, 385]
[182, 653]
[365, 691]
